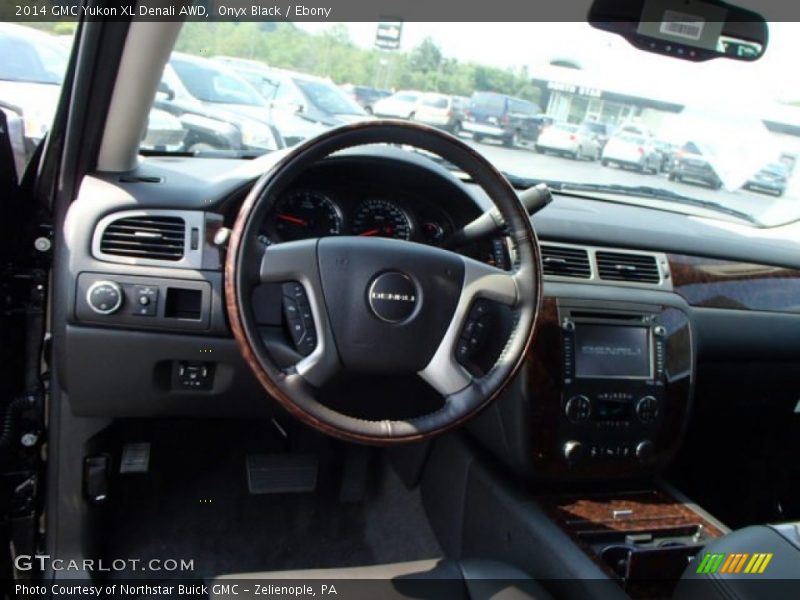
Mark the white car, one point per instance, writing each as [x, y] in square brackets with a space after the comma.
[31, 72]
[400, 105]
[439, 110]
[632, 150]
[575, 141]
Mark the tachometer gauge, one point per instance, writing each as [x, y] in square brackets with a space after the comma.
[381, 218]
[305, 214]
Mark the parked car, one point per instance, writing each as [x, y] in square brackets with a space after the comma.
[542, 121]
[365, 96]
[31, 72]
[575, 141]
[629, 150]
[603, 131]
[771, 179]
[500, 117]
[690, 165]
[440, 110]
[667, 152]
[400, 105]
[316, 99]
[228, 112]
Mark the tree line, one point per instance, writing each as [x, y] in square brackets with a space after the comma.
[333, 54]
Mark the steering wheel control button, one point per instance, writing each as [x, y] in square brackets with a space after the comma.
[393, 297]
[474, 332]
[647, 409]
[104, 297]
[297, 311]
[145, 300]
[578, 409]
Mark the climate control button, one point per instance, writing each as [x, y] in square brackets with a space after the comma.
[578, 409]
[104, 297]
[644, 450]
[573, 451]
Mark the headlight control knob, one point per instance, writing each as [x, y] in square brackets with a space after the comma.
[104, 297]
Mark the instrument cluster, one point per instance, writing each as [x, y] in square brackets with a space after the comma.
[309, 213]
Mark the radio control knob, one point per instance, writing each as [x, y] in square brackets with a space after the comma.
[578, 409]
[568, 325]
[104, 297]
[659, 331]
[647, 409]
[644, 450]
[573, 451]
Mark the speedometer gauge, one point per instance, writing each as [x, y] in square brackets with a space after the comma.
[306, 214]
[380, 218]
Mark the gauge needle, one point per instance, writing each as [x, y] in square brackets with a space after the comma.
[292, 219]
[371, 232]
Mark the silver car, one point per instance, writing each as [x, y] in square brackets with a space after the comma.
[576, 141]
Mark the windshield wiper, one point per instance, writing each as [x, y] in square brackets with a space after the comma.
[640, 191]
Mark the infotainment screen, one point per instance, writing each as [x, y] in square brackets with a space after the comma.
[612, 351]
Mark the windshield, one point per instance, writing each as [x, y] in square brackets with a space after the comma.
[698, 131]
[638, 121]
[328, 98]
[488, 103]
[436, 101]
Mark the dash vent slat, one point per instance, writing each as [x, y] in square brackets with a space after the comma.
[639, 268]
[153, 237]
[565, 262]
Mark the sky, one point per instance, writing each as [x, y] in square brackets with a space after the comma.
[609, 58]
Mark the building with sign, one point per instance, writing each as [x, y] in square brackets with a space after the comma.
[570, 94]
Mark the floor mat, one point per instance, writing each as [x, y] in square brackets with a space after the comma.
[194, 505]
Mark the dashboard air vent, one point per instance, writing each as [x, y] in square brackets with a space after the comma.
[151, 237]
[639, 268]
[565, 261]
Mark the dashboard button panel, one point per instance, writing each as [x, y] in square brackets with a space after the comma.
[142, 302]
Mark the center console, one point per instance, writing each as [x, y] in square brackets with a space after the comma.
[644, 538]
[614, 398]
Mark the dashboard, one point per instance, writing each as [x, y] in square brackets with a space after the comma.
[166, 347]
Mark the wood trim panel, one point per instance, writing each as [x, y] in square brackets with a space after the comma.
[714, 283]
[652, 510]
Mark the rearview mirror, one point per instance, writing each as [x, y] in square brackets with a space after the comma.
[694, 30]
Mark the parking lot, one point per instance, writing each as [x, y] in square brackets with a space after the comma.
[528, 163]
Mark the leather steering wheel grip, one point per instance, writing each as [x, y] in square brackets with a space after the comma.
[249, 263]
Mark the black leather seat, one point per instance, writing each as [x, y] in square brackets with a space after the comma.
[467, 579]
[775, 576]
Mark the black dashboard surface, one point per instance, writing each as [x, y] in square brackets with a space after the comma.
[136, 379]
[216, 184]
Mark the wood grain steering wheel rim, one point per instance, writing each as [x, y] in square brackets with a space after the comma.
[443, 283]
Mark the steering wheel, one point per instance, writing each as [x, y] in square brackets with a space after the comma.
[381, 305]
